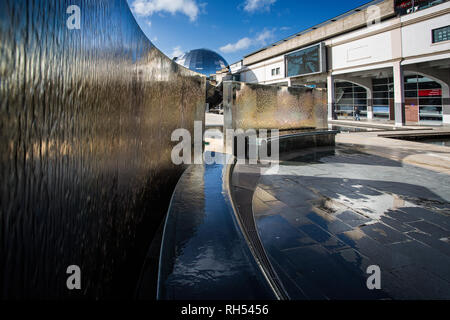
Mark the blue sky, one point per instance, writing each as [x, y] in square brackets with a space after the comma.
[233, 28]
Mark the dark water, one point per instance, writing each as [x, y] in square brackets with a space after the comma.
[204, 254]
[443, 140]
[353, 129]
[85, 123]
[438, 142]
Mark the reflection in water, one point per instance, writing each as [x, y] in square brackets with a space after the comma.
[85, 122]
[344, 129]
[328, 215]
[442, 141]
[438, 142]
[372, 206]
[212, 260]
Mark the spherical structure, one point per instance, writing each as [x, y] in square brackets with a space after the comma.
[202, 61]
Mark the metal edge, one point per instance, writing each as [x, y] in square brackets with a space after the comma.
[164, 231]
[280, 293]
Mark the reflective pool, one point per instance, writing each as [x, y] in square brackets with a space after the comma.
[443, 140]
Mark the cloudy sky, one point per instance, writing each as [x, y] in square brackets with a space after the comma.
[233, 28]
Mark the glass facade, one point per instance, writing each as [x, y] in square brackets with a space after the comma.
[203, 61]
[425, 93]
[348, 97]
[423, 97]
[383, 94]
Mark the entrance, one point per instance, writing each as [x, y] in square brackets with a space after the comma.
[411, 111]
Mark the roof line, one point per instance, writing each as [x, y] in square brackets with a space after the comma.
[343, 15]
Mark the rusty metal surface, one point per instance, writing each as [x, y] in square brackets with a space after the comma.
[254, 106]
[86, 118]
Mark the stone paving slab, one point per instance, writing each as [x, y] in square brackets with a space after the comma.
[383, 233]
[438, 244]
[430, 229]
[431, 157]
[324, 223]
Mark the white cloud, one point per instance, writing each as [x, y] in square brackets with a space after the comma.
[258, 5]
[148, 7]
[240, 45]
[245, 43]
[264, 36]
[176, 52]
[149, 23]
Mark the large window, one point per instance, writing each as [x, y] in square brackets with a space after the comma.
[425, 93]
[441, 34]
[348, 97]
[306, 61]
[419, 91]
[383, 94]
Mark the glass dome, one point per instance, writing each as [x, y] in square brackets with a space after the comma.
[202, 61]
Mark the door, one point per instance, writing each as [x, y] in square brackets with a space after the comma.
[411, 110]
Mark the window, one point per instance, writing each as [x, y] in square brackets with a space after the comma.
[441, 34]
[348, 96]
[276, 72]
[383, 91]
[419, 91]
[425, 93]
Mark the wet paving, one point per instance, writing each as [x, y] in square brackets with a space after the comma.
[330, 214]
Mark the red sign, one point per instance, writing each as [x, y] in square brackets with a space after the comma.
[430, 93]
[408, 3]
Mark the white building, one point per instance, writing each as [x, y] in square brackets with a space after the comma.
[389, 58]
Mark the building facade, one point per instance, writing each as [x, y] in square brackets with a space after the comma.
[389, 58]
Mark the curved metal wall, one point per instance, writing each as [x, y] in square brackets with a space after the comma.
[86, 118]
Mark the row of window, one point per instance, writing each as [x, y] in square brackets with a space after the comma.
[276, 72]
[441, 34]
[421, 91]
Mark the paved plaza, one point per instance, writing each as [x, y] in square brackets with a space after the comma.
[330, 213]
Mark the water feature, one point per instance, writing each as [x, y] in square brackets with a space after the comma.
[436, 139]
[86, 117]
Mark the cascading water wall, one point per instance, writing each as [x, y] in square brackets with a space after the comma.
[86, 116]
